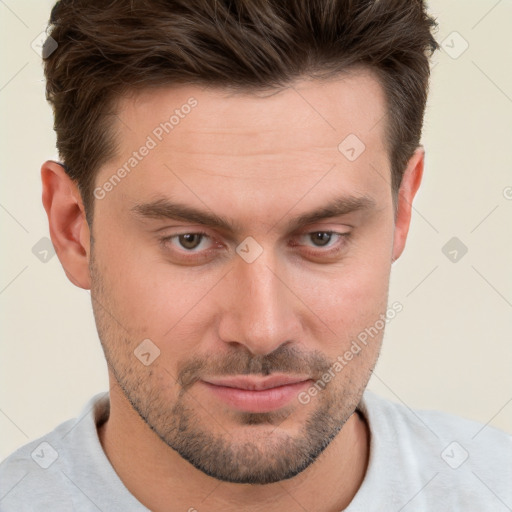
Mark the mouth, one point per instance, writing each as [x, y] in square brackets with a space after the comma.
[251, 394]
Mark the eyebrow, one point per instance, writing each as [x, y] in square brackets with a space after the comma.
[166, 209]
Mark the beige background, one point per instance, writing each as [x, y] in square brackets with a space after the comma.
[449, 349]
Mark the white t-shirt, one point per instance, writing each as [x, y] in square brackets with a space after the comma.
[419, 461]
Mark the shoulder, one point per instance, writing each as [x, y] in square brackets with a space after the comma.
[40, 474]
[398, 415]
[29, 475]
[459, 461]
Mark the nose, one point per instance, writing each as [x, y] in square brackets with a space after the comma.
[262, 310]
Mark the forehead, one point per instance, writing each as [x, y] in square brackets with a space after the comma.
[353, 102]
[252, 145]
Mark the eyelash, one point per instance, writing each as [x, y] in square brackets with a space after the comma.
[343, 237]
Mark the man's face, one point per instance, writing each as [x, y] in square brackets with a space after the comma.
[289, 300]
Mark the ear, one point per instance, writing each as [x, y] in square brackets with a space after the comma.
[410, 183]
[69, 230]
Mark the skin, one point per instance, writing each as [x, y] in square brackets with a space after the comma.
[259, 160]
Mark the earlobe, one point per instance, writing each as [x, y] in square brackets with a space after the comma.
[69, 230]
[410, 184]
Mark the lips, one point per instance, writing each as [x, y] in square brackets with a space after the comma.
[252, 394]
[256, 384]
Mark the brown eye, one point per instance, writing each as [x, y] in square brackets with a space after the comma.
[190, 240]
[321, 238]
[323, 245]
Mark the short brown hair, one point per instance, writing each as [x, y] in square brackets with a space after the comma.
[107, 48]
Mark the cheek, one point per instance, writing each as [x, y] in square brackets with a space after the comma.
[350, 298]
[349, 304]
[128, 279]
[356, 287]
[150, 297]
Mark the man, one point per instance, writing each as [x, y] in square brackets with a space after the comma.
[236, 180]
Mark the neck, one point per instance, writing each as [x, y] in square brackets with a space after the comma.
[157, 476]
